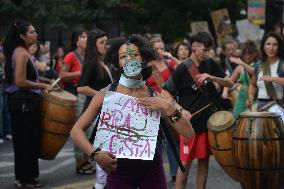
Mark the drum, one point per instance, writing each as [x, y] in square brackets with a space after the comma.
[275, 108]
[58, 109]
[220, 128]
[258, 147]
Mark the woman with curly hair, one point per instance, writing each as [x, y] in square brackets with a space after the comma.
[129, 173]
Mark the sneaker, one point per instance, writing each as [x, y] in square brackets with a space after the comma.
[1, 141]
[9, 137]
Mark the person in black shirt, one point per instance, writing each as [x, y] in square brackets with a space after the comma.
[194, 92]
[95, 76]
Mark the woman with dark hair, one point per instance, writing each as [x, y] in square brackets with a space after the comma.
[268, 80]
[70, 73]
[162, 67]
[71, 68]
[95, 76]
[58, 59]
[130, 57]
[24, 95]
[182, 52]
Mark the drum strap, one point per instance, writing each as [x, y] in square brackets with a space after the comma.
[78, 56]
[268, 85]
[193, 71]
[164, 128]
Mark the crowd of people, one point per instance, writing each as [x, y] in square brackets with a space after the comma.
[188, 82]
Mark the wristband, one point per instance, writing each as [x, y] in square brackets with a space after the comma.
[92, 156]
[176, 116]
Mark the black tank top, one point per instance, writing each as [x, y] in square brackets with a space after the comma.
[31, 74]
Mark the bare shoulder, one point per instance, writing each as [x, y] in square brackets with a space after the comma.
[20, 54]
[98, 99]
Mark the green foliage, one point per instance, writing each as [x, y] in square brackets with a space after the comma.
[172, 18]
[56, 13]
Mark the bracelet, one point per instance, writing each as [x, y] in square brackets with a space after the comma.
[176, 116]
[92, 156]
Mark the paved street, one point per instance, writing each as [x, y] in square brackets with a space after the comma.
[60, 173]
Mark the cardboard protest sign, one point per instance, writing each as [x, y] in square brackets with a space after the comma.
[201, 26]
[222, 22]
[248, 31]
[126, 128]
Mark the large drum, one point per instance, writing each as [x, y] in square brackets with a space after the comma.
[58, 109]
[258, 149]
[220, 128]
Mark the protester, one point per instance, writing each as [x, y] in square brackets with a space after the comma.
[129, 173]
[58, 59]
[229, 47]
[267, 82]
[242, 75]
[24, 95]
[70, 71]
[2, 62]
[194, 91]
[182, 52]
[95, 76]
[5, 113]
[162, 68]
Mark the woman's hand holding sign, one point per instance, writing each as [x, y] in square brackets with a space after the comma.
[157, 103]
[170, 112]
[106, 160]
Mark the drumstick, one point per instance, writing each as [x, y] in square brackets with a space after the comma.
[201, 109]
[55, 82]
[234, 87]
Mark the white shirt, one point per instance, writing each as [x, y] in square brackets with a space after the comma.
[262, 93]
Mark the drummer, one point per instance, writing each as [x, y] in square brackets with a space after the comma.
[24, 95]
[182, 85]
[268, 79]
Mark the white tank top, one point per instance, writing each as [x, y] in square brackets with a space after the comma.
[262, 94]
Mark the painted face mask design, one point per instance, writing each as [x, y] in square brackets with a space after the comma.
[132, 66]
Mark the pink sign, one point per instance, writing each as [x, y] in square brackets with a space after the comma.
[126, 128]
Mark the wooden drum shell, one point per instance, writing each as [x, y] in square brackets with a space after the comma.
[258, 149]
[58, 113]
[220, 132]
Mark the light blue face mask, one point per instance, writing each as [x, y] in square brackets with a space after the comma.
[131, 83]
[132, 66]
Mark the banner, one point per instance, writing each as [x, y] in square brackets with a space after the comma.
[221, 22]
[201, 26]
[127, 129]
[256, 11]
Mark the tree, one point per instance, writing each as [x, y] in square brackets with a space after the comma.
[168, 17]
